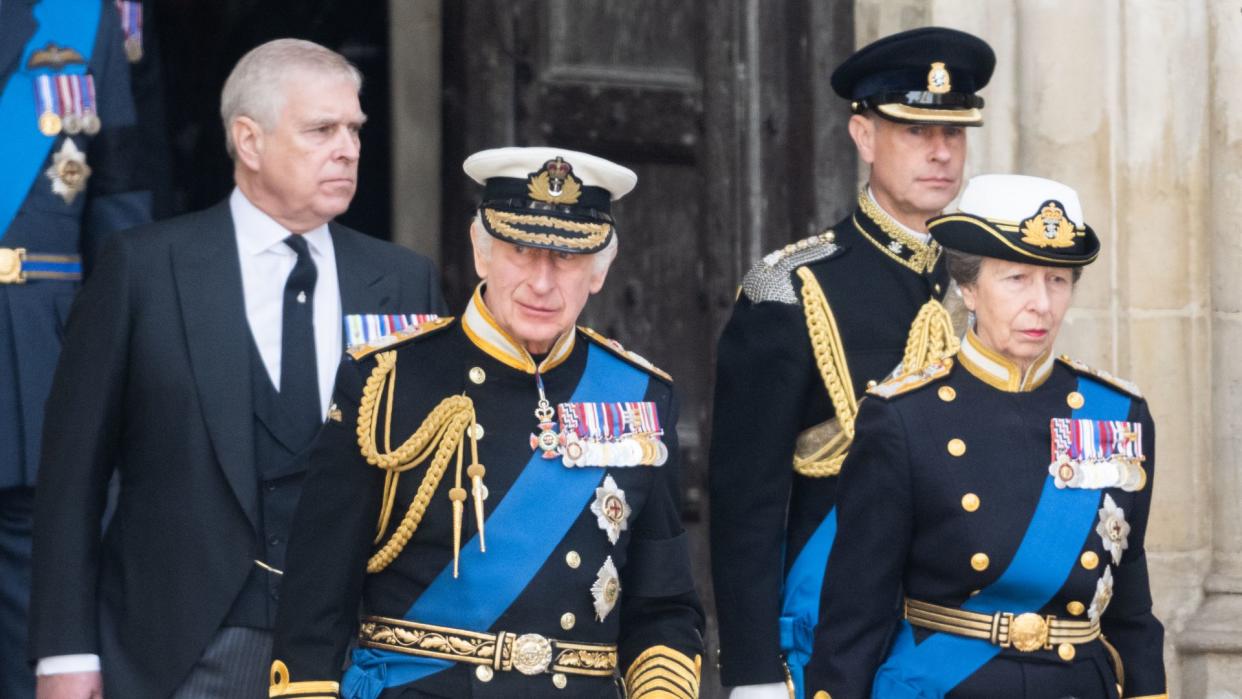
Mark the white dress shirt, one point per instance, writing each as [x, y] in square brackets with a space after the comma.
[265, 266]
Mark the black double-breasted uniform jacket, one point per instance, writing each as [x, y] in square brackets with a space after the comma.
[657, 618]
[771, 388]
[936, 498]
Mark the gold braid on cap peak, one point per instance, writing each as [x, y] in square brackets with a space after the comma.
[439, 437]
[661, 672]
[504, 222]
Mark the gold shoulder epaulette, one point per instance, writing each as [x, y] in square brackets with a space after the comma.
[399, 337]
[1127, 387]
[632, 357]
[915, 379]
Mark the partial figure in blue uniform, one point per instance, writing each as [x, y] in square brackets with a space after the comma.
[814, 324]
[492, 506]
[992, 511]
[68, 179]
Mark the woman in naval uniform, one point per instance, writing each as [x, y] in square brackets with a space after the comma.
[993, 509]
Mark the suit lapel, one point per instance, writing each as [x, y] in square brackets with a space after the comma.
[209, 286]
[365, 286]
[17, 24]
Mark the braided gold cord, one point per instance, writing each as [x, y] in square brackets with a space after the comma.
[825, 337]
[931, 337]
[441, 432]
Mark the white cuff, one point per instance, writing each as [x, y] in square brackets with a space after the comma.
[774, 690]
[63, 664]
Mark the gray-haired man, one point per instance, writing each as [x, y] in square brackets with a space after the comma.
[198, 362]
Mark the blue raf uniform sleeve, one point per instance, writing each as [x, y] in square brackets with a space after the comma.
[859, 604]
[661, 643]
[1128, 623]
[117, 198]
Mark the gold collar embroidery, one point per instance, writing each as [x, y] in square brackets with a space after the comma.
[992, 368]
[891, 238]
[487, 335]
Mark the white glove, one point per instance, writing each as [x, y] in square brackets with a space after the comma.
[774, 690]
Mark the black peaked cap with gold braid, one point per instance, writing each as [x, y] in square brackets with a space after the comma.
[549, 198]
[1020, 219]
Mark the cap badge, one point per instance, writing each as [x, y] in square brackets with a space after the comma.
[1050, 228]
[555, 183]
[938, 79]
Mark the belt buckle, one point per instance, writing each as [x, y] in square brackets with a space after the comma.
[1028, 632]
[11, 260]
[532, 654]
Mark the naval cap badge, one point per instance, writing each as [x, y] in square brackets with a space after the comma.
[1049, 228]
[611, 509]
[555, 183]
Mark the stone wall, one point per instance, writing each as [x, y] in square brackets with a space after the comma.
[1137, 106]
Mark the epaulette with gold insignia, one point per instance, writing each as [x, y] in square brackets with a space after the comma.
[904, 383]
[398, 338]
[771, 279]
[632, 357]
[1127, 387]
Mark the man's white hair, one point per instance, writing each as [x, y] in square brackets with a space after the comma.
[483, 242]
[256, 87]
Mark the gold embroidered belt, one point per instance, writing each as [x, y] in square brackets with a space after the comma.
[529, 654]
[1025, 632]
[17, 266]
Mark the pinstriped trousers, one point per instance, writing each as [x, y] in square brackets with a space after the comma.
[234, 666]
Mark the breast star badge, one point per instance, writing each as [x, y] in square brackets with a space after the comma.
[611, 509]
[606, 589]
[68, 171]
[1113, 528]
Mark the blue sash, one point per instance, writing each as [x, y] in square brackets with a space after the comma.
[68, 23]
[800, 607]
[1043, 561]
[522, 532]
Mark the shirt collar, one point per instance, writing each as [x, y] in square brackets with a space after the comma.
[992, 368]
[488, 336]
[257, 232]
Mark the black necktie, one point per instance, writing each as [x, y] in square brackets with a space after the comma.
[299, 374]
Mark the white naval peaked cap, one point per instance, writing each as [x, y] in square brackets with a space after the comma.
[519, 162]
[1012, 198]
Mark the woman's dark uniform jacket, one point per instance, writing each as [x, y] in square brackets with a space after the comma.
[875, 278]
[914, 519]
[336, 525]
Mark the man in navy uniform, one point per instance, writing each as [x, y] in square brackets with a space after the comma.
[814, 323]
[198, 364]
[499, 491]
[68, 179]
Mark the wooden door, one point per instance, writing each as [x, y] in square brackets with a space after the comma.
[722, 108]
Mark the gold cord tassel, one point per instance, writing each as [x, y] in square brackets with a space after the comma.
[478, 490]
[931, 337]
[437, 438]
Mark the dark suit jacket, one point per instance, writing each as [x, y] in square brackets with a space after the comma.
[155, 382]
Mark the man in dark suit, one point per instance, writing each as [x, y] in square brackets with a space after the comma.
[69, 177]
[198, 364]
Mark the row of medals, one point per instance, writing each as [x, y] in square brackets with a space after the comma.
[51, 124]
[630, 450]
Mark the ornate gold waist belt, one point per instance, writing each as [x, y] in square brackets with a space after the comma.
[1025, 632]
[529, 654]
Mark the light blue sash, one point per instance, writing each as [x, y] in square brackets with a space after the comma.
[68, 24]
[1049, 549]
[800, 607]
[522, 532]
